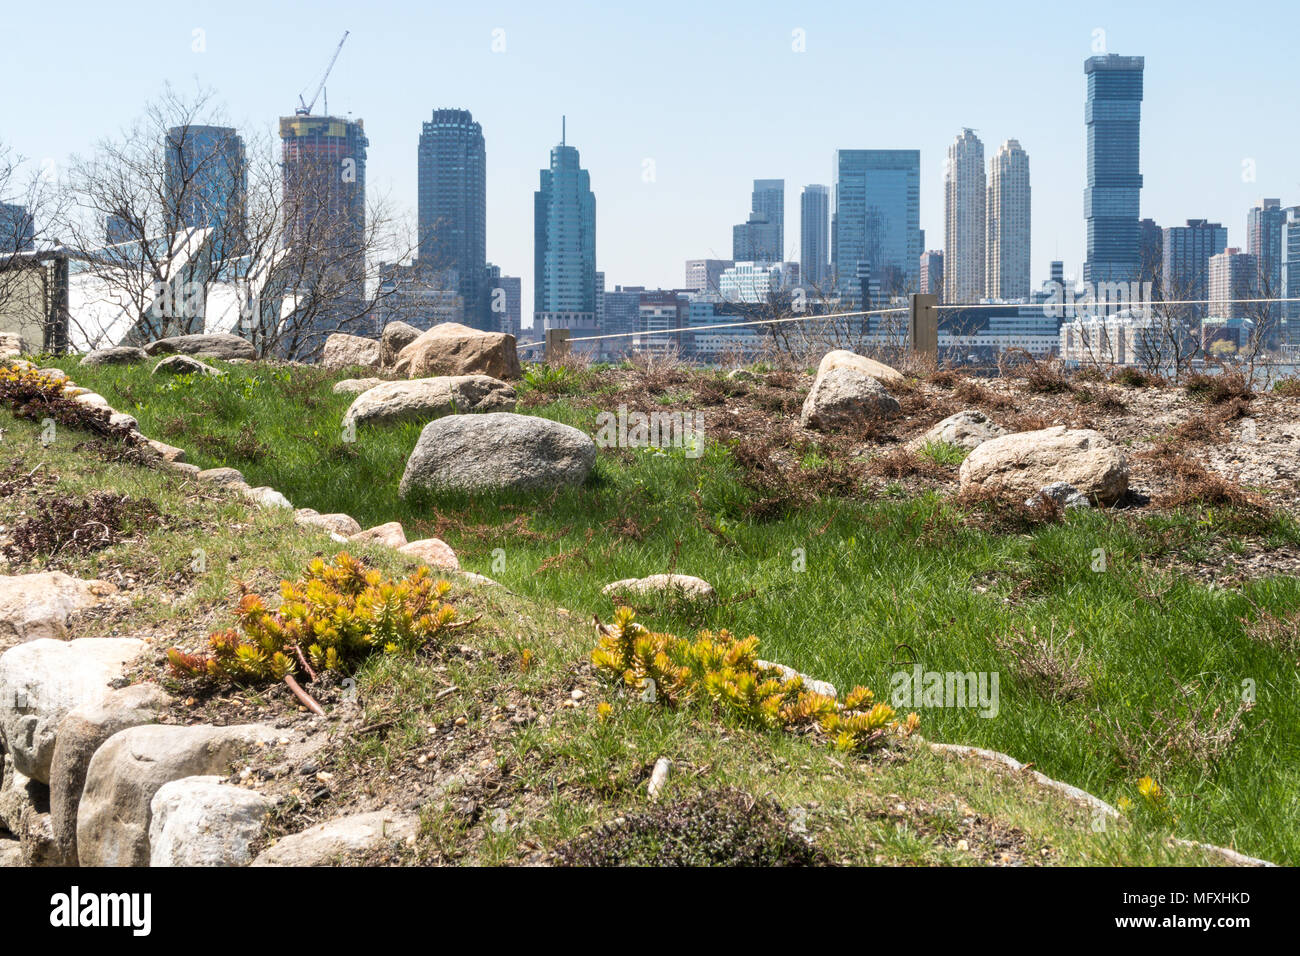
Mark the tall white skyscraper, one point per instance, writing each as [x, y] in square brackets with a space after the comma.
[964, 198]
[1007, 234]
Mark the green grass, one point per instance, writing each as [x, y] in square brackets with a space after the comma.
[849, 591]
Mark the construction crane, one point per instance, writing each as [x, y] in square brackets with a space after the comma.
[304, 108]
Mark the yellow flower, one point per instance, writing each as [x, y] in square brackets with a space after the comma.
[603, 710]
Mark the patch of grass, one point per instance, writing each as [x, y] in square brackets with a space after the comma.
[943, 453]
[715, 828]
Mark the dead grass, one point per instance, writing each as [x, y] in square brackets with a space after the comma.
[1046, 664]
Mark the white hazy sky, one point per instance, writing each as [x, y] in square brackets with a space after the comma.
[713, 93]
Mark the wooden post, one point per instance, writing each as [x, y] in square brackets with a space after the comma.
[924, 333]
[557, 344]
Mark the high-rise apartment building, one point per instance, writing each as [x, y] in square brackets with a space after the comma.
[452, 209]
[964, 191]
[876, 222]
[1112, 115]
[1186, 262]
[814, 236]
[1006, 272]
[1264, 242]
[564, 245]
[504, 305]
[1233, 276]
[932, 273]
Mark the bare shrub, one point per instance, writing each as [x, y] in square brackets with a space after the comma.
[1045, 663]
[1180, 733]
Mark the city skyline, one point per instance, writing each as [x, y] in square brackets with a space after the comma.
[683, 203]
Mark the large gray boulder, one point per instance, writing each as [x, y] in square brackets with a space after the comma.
[498, 451]
[395, 337]
[42, 681]
[219, 345]
[843, 358]
[967, 429]
[344, 351]
[204, 821]
[845, 396]
[34, 606]
[115, 355]
[333, 841]
[421, 399]
[130, 768]
[1023, 463]
[82, 733]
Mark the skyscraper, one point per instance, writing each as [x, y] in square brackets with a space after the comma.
[453, 208]
[1187, 255]
[1264, 242]
[877, 219]
[206, 183]
[768, 203]
[964, 202]
[564, 245]
[324, 166]
[761, 238]
[1006, 273]
[1112, 115]
[755, 240]
[814, 236]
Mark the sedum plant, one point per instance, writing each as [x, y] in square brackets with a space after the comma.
[725, 671]
[337, 614]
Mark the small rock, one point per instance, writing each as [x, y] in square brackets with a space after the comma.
[659, 777]
[329, 843]
[222, 476]
[340, 524]
[183, 365]
[682, 586]
[432, 551]
[390, 534]
[267, 497]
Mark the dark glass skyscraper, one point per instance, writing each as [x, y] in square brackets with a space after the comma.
[207, 183]
[564, 244]
[1112, 114]
[453, 207]
[876, 225]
